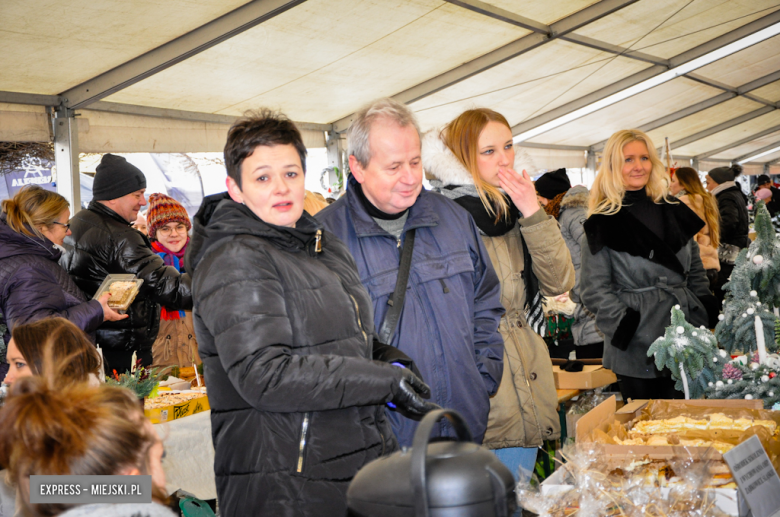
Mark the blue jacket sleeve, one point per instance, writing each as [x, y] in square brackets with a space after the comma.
[488, 343]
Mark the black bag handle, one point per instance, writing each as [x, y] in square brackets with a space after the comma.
[420, 453]
[396, 301]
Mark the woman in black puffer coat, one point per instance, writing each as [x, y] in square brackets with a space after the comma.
[33, 286]
[285, 332]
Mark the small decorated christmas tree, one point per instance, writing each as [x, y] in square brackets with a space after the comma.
[762, 261]
[746, 324]
[747, 379]
[689, 353]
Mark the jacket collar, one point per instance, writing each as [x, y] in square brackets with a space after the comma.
[723, 187]
[421, 213]
[220, 217]
[624, 232]
[102, 209]
[14, 244]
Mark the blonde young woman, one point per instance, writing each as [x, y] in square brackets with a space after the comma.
[641, 259]
[687, 187]
[473, 163]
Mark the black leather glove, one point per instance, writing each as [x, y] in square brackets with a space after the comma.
[409, 395]
[391, 354]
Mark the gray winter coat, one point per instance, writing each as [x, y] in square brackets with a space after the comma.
[631, 279]
[571, 217]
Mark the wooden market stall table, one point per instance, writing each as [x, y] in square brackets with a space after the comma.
[189, 455]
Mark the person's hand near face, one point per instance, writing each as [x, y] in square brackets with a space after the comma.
[636, 165]
[495, 161]
[392, 179]
[18, 366]
[272, 185]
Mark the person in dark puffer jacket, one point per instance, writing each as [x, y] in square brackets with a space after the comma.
[104, 242]
[285, 332]
[734, 222]
[33, 286]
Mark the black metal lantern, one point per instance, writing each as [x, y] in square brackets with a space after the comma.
[443, 479]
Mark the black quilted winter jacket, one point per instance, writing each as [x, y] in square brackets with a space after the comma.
[285, 334]
[33, 286]
[103, 243]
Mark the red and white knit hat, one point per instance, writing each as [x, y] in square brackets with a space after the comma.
[163, 210]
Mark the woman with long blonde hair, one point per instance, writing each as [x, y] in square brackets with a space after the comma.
[688, 188]
[641, 259]
[474, 163]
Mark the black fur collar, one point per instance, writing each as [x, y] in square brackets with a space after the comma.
[624, 232]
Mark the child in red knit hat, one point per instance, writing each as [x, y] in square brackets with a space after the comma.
[168, 225]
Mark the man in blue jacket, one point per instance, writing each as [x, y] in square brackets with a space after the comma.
[452, 307]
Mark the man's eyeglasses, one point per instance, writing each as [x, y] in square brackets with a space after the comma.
[67, 226]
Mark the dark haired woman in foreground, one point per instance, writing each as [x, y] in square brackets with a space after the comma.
[285, 332]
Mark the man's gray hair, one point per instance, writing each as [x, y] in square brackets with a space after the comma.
[359, 130]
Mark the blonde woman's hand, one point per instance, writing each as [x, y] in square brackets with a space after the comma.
[109, 314]
[520, 189]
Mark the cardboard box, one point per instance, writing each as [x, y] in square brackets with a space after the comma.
[172, 412]
[591, 377]
[729, 500]
[606, 413]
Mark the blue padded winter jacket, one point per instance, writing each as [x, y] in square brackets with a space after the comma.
[449, 322]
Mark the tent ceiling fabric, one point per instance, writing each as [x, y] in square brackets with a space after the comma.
[373, 49]
[322, 59]
[633, 112]
[527, 85]
[89, 37]
[695, 23]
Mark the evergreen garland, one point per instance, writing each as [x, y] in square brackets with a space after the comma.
[752, 381]
[764, 259]
[695, 349]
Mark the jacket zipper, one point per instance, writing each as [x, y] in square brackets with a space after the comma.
[318, 242]
[360, 323]
[302, 445]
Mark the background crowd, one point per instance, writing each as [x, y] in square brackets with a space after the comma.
[325, 339]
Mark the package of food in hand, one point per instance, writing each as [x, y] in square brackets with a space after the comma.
[122, 288]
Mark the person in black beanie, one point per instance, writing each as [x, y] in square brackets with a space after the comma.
[550, 189]
[104, 242]
[734, 224]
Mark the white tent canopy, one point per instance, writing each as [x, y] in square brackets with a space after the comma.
[140, 76]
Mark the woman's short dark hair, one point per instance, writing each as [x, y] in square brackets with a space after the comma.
[256, 128]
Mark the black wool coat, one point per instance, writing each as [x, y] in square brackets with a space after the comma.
[103, 243]
[631, 279]
[285, 333]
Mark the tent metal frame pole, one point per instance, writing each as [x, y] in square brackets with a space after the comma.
[175, 51]
[722, 127]
[66, 157]
[742, 141]
[511, 50]
[703, 49]
[751, 154]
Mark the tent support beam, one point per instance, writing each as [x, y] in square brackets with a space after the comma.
[195, 116]
[66, 157]
[33, 99]
[637, 78]
[748, 156]
[743, 141]
[175, 51]
[700, 106]
[721, 127]
[516, 48]
[554, 146]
